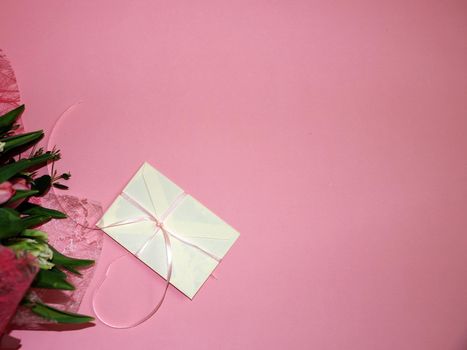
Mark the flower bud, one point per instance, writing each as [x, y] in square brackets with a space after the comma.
[6, 191]
[40, 250]
[20, 184]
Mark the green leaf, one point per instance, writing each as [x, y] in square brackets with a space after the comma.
[20, 194]
[38, 235]
[60, 186]
[72, 270]
[34, 209]
[34, 220]
[8, 119]
[42, 184]
[10, 223]
[17, 141]
[67, 262]
[52, 279]
[51, 313]
[9, 170]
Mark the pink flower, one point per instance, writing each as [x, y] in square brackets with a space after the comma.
[6, 191]
[21, 184]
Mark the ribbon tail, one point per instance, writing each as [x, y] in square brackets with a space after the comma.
[169, 261]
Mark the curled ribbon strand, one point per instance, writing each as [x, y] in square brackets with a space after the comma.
[156, 307]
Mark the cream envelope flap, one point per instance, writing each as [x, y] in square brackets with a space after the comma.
[198, 237]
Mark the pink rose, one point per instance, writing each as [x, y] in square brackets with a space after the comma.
[6, 191]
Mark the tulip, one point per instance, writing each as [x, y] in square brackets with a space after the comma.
[6, 191]
[19, 184]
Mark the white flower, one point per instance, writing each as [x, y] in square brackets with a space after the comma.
[38, 249]
[2, 145]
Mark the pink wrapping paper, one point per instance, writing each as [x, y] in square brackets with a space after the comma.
[16, 275]
[9, 92]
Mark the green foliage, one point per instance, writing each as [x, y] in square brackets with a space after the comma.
[21, 142]
[42, 184]
[21, 194]
[52, 279]
[68, 263]
[34, 209]
[12, 224]
[53, 314]
[15, 168]
[8, 119]
[36, 234]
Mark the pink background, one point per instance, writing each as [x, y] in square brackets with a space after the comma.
[331, 134]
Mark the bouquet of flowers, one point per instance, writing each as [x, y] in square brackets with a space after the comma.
[27, 259]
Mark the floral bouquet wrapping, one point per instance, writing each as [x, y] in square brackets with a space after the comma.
[17, 274]
[72, 239]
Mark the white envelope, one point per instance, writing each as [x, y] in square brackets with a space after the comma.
[208, 237]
